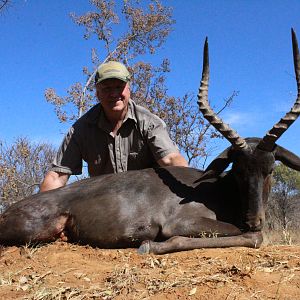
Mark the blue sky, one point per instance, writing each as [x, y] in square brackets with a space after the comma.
[250, 52]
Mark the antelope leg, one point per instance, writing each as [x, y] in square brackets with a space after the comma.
[179, 243]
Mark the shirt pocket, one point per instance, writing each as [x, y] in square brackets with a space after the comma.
[140, 160]
[132, 163]
[95, 165]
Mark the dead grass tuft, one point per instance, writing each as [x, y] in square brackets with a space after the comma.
[281, 237]
[62, 271]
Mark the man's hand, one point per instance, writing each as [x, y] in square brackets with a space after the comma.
[173, 159]
[54, 180]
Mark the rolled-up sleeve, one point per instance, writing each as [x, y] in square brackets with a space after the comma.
[158, 139]
[68, 159]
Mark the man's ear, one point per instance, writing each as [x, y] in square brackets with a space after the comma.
[97, 92]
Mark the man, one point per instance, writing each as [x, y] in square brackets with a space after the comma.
[114, 136]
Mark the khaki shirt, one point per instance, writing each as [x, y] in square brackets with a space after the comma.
[139, 143]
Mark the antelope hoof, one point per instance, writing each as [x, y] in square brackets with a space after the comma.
[144, 248]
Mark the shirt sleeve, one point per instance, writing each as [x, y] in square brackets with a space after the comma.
[158, 139]
[68, 158]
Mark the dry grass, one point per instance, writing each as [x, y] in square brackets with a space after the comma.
[281, 237]
[63, 271]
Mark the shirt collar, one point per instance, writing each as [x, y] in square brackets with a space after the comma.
[130, 112]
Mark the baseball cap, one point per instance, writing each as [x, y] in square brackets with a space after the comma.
[112, 69]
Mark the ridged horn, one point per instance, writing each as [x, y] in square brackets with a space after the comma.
[208, 113]
[268, 141]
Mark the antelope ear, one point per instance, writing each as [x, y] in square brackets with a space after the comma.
[288, 158]
[218, 165]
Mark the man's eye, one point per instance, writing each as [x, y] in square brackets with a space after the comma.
[119, 88]
[112, 89]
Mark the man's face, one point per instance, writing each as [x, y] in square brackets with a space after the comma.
[113, 94]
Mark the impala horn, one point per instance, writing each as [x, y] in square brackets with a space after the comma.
[236, 141]
[268, 141]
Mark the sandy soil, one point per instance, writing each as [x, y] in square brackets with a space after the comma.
[65, 271]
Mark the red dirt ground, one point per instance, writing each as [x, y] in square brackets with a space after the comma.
[65, 271]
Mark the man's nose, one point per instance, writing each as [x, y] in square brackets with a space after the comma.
[115, 92]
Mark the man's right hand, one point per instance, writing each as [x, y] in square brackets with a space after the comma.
[54, 180]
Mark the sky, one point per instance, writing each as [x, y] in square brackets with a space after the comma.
[250, 52]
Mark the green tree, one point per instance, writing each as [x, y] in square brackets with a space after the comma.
[283, 209]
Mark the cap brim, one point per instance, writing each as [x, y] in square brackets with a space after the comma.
[112, 77]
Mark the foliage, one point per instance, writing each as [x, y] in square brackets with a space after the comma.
[284, 206]
[22, 167]
[146, 31]
[127, 32]
[287, 181]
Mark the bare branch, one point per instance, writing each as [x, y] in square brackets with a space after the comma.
[4, 4]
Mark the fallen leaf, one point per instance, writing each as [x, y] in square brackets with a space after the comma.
[193, 291]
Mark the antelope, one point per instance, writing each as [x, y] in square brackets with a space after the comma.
[167, 209]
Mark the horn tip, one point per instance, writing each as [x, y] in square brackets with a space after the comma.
[293, 33]
[206, 43]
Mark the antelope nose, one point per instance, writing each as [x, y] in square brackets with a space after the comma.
[256, 224]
